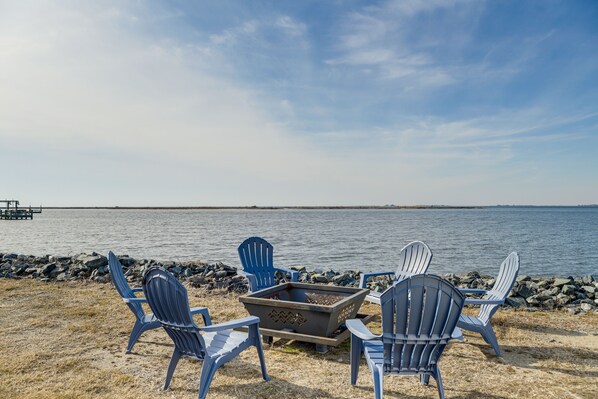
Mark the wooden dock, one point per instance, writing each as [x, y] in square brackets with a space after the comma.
[13, 212]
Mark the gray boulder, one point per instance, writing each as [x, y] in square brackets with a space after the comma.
[559, 282]
[568, 289]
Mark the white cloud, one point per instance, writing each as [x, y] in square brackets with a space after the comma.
[230, 36]
[293, 27]
[383, 36]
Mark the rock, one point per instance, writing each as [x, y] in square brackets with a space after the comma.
[542, 283]
[92, 261]
[516, 302]
[46, 270]
[590, 289]
[125, 260]
[554, 291]
[562, 299]
[587, 280]
[342, 278]
[573, 310]
[568, 289]
[533, 300]
[521, 278]
[548, 303]
[544, 295]
[524, 291]
[318, 278]
[221, 274]
[103, 279]
[559, 282]
[586, 307]
[581, 295]
[19, 269]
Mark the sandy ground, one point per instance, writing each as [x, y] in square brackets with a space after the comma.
[67, 340]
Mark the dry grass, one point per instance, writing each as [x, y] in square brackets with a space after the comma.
[67, 341]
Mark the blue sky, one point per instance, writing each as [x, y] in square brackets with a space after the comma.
[299, 102]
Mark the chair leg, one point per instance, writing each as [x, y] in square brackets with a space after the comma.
[176, 355]
[438, 379]
[490, 338]
[378, 376]
[138, 328]
[356, 349]
[207, 373]
[424, 379]
[260, 353]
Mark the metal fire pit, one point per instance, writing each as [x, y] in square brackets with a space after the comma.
[307, 310]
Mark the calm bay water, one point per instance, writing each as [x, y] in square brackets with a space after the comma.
[555, 241]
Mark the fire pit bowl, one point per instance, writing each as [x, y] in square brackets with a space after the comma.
[311, 309]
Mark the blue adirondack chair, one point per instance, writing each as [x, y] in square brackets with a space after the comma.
[414, 258]
[419, 315]
[258, 264]
[143, 321]
[491, 301]
[215, 344]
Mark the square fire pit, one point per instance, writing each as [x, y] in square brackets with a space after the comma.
[304, 311]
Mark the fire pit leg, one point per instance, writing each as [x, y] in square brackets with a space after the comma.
[321, 348]
[267, 339]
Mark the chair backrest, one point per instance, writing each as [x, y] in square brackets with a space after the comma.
[169, 302]
[257, 259]
[120, 283]
[414, 258]
[419, 315]
[505, 279]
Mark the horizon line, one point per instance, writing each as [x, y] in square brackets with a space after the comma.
[307, 207]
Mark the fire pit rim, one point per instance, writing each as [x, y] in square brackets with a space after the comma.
[257, 297]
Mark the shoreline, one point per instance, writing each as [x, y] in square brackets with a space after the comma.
[255, 207]
[573, 294]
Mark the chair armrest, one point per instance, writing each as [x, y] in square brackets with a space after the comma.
[204, 312]
[359, 329]
[246, 321]
[365, 276]
[294, 274]
[137, 289]
[134, 300]
[473, 301]
[472, 291]
[250, 278]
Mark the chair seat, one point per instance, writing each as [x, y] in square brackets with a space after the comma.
[374, 297]
[222, 342]
[471, 320]
[374, 350]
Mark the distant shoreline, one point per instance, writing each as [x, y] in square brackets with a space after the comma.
[339, 207]
[259, 207]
